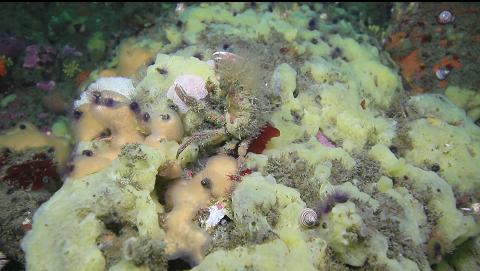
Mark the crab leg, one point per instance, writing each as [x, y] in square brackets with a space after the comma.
[199, 106]
[203, 138]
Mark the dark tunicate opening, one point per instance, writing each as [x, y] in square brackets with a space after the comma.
[78, 27]
[165, 116]
[114, 226]
[135, 107]
[336, 52]
[22, 126]
[206, 183]
[106, 133]
[162, 71]
[296, 92]
[314, 41]
[435, 168]
[96, 95]
[146, 117]
[77, 114]
[178, 265]
[312, 24]
[198, 55]
[109, 102]
[150, 62]
[87, 153]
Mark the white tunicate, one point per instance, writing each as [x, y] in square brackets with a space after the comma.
[193, 85]
[120, 85]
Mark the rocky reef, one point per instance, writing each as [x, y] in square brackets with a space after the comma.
[205, 139]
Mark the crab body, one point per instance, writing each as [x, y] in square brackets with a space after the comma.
[236, 109]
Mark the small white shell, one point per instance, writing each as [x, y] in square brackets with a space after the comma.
[442, 74]
[308, 217]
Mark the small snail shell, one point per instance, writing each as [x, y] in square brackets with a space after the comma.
[308, 217]
[445, 17]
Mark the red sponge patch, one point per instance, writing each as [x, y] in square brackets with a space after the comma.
[258, 145]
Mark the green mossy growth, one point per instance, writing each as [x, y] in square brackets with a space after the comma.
[293, 171]
[366, 170]
[144, 251]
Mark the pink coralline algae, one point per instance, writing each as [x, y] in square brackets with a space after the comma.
[36, 55]
[47, 86]
[324, 140]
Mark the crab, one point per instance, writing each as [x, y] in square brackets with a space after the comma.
[238, 113]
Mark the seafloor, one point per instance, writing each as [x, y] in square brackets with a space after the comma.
[239, 136]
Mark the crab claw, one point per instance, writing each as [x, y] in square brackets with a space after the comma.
[206, 137]
[182, 94]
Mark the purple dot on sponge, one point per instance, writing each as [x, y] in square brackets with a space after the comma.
[135, 107]
[109, 102]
